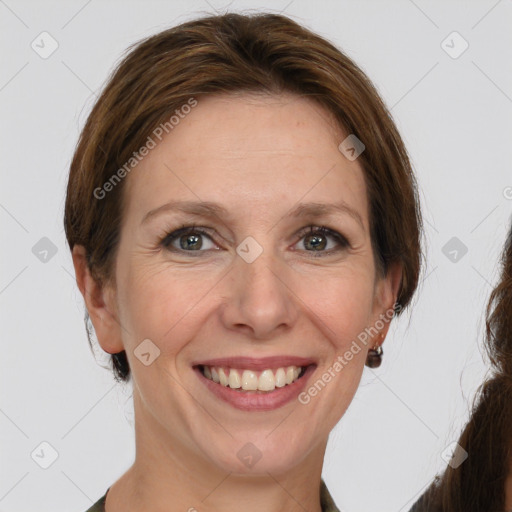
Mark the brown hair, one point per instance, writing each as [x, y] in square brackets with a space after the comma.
[499, 316]
[221, 54]
[478, 484]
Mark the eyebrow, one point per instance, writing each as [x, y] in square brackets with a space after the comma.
[214, 210]
[324, 209]
[200, 209]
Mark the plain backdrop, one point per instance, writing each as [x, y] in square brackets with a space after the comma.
[454, 111]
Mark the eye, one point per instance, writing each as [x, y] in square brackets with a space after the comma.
[316, 239]
[188, 239]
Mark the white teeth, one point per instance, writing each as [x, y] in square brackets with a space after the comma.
[267, 381]
[280, 378]
[249, 380]
[234, 379]
[222, 377]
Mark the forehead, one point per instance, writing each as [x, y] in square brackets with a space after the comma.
[250, 149]
[233, 123]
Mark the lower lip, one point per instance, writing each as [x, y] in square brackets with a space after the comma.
[252, 401]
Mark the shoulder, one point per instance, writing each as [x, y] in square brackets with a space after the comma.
[326, 502]
[99, 506]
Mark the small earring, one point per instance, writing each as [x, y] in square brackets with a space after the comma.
[374, 357]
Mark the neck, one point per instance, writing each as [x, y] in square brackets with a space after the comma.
[179, 479]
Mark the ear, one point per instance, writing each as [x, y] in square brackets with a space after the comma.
[100, 303]
[386, 292]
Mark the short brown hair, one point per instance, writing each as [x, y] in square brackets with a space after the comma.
[222, 54]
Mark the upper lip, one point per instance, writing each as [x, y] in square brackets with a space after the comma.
[256, 363]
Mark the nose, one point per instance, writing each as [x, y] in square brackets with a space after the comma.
[260, 301]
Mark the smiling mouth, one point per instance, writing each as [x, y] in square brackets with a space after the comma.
[252, 381]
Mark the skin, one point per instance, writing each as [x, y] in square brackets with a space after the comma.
[257, 156]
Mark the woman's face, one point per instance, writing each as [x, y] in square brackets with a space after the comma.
[251, 288]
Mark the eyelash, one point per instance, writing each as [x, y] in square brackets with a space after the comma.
[309, 230]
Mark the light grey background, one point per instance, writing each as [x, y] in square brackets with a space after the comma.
[455, 115]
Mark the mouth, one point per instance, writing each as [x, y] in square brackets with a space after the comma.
[252, 380]
[255, 384]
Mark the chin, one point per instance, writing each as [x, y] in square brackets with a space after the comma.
[258, 454]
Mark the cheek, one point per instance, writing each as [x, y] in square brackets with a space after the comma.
[157, 302]
[158, 306]
[343, 303]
